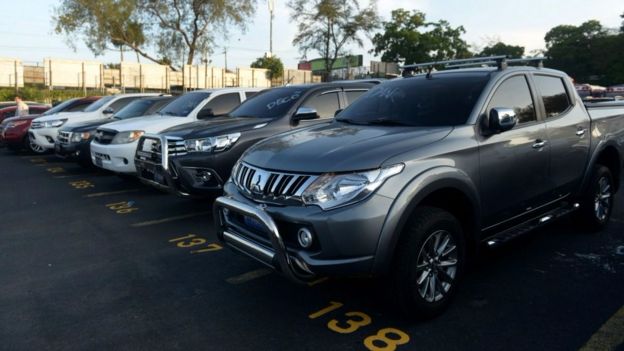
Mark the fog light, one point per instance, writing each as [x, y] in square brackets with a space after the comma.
[125, 161]
[50, 140]
[203, 176]
[304, 236]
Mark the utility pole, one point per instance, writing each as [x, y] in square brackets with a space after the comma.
[225, 53]
[271, 8]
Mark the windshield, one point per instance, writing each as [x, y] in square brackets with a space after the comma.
[101, 102]
[135, 109]
[184, 105]
[443, 100]
[270, 103]
[60, 107]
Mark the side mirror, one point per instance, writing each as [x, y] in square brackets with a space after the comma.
[502, 119]
[206, 113]
[305, 113]
[338, 112]
[108, 111]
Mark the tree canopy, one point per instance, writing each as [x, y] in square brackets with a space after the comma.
[328, 27]
[273, 64]
[408, 37]
[178, 30]
[501, 48]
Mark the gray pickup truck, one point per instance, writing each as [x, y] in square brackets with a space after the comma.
[412, 178]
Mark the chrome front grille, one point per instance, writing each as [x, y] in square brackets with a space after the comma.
[105, 136]
[175, 147]
[270, 186]
[149, 149]
[64, 137]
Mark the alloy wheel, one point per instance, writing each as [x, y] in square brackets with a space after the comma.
[602, 199]
[436, 266]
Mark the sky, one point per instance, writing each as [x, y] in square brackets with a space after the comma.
[26, 28]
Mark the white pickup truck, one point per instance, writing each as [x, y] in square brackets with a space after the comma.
[44, 130]
[115, 143]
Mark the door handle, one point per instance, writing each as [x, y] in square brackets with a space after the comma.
[580, 132]
[539, 144]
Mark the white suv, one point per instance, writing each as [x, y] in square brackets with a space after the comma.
[44, 130]
[115, 143]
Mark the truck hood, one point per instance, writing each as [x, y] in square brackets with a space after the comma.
[72, 117]
[149, 124]
[339, 147]
[85, 126]
[215, 127]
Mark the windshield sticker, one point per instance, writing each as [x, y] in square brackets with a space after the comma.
[284, 100]
[386, 93]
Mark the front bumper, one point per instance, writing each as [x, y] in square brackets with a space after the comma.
[44, 137]
[345, 239]
[117, 158]
[73, 151]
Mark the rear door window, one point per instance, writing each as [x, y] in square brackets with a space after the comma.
[554, 95]
[121, 103]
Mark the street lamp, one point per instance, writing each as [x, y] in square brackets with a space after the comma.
[271, 8]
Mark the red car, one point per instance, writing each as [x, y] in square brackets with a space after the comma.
[8, 112]
[14, 131]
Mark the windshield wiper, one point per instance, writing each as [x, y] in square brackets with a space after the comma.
[386, 122]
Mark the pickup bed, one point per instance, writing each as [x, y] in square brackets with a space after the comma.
[419, 173]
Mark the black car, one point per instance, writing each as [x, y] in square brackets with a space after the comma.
[75, 139]
[196, 159]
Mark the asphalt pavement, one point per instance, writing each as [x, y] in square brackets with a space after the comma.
[91, 261]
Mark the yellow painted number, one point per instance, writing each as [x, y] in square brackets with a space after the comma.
[122, 207]
[192, 242]
[209, 248]
[332, 306]
[353, 324]
[81, 184]
[55, 170]
[382, 338]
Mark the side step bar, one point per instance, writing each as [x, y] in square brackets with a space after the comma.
[530, 225]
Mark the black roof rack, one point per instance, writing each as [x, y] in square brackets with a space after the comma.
[500, 61]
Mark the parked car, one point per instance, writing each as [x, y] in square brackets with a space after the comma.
[417, 173]
[8, 112]
[197, 158]
[114, 145]
[74, 139]
[615, 91]
[44, 130]
[15, 131]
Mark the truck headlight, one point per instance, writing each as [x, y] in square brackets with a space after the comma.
[212, 144]
[55, 123]
[334, 190]
[78, 137]
[127, 137]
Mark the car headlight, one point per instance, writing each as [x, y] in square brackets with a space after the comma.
[212, 144]
[78, 137]
[127, 137]
[334, 190]
[55, 123]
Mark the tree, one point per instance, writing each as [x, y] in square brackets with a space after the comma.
[622, 27]
[178, 30]
[501, 48]
[408, 37]
[329, 26]
[273, 64]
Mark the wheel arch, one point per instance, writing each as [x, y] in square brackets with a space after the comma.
[444, 187]
[608, 156]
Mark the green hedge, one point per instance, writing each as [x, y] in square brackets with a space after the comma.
[44, 94]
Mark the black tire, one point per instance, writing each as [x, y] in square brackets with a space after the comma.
[425, 224]
[597, 200]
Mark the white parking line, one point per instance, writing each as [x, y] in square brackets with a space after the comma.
[245, 277]
[169, 219]
[609, 336]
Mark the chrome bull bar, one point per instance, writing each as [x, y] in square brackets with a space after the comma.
[266, 256]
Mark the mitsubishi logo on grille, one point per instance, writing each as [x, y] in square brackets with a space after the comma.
[255, 186]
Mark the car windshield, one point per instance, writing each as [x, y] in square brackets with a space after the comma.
[441, 100]
[135, 108]
[184, 105]
[60, 107]
[270, 103]
[101, 102]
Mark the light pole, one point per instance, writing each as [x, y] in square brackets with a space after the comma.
[271, 8]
